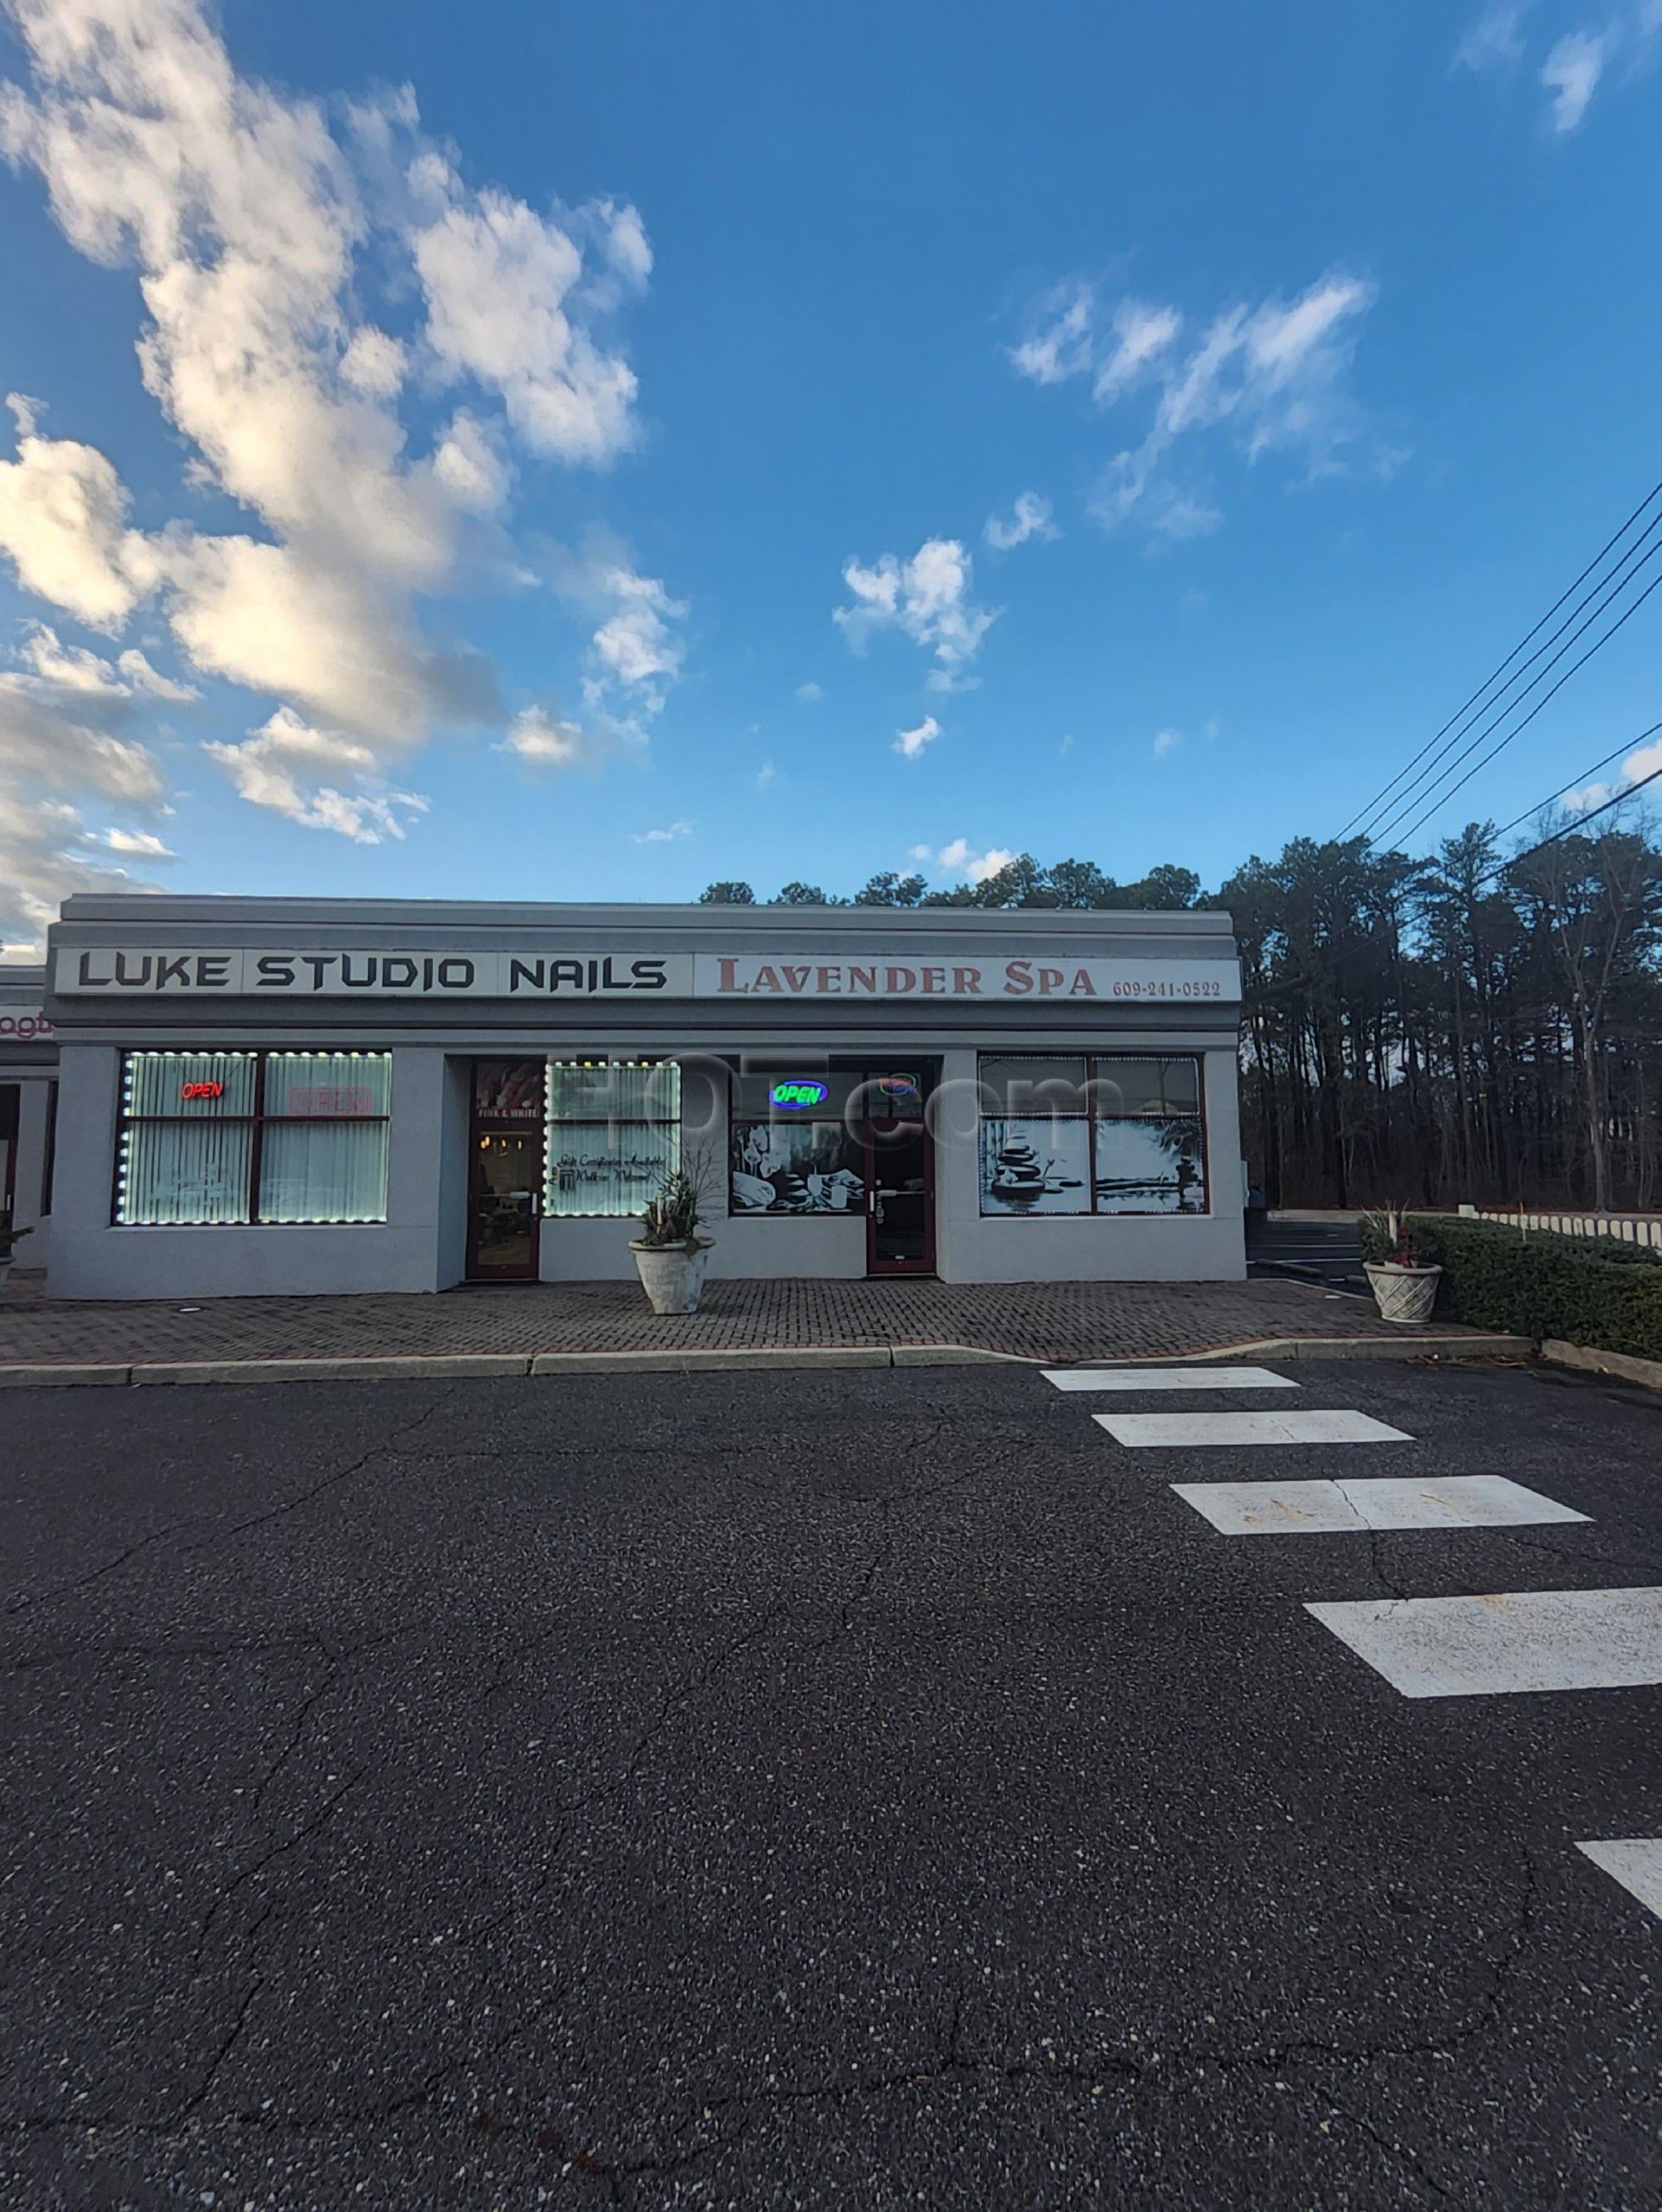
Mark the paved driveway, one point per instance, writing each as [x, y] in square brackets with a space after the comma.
[878, 1789]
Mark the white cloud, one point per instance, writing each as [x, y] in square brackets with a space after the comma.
[546, 741]
[62, 716]
[505, 307]
[280, 765]
[375, 362]
[469, 463]
[1060, 339]
[634, 644]
[1141, 335]
[1494, 39]
[1165, 741]
[141, 844]
[329, 639]
[74, 668]
[960, 858]
[1644, 761]
[909, 743]
[1030, 518]
[807, 693]
[262, 233]
[63, 523]
[927, 598]
[666, 836]
[140, 677]
[1571, 72]
[765, 775]
[1271, 376]
[636, 654]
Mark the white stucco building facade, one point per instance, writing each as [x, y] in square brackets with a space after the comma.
[301, 1096]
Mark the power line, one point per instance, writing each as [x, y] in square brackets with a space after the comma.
[1612, 585]
[1575, 783]
[1376, 802]
[1570, 827]
[1442, 799]
[1411, 796]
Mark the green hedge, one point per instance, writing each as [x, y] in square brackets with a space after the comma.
[1587, 1290]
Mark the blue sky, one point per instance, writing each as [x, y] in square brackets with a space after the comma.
[545, 452]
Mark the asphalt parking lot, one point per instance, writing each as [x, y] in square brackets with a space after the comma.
[875, 1789]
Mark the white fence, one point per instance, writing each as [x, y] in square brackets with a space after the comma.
[1630, 1228]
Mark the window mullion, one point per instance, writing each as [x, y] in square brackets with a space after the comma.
[257, 1146]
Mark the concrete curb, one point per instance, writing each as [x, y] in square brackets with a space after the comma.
[765, 1358]
[692, 1361]
[1474, 1344]
[400, 1366]
[24, 1377]
[1626, 1364]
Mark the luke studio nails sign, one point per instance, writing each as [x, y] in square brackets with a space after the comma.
[169, 971]
[140, 973]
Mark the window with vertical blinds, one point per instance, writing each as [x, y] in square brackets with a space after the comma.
[613, 1132]
[213, 1137]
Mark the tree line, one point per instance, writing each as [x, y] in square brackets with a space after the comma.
[1474, 1024]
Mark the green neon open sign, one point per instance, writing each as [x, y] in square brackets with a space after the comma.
[798, 1093]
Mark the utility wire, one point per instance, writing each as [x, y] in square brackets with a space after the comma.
[1375, 804]
[1612, 585]
[1570, 827]
[1443, 766]
[1441, 799]
[1576, 781]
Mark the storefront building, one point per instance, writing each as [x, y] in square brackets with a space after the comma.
[29, 1092]
[259, 1096]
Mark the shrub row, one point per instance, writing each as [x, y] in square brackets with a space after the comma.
[1587, 1290]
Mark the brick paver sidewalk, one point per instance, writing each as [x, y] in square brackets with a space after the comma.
[1060, 1322]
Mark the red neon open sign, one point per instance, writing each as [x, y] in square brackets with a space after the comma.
[201, 1091]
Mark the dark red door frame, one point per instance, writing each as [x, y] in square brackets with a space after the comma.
[534, 1136]
[876, 1151]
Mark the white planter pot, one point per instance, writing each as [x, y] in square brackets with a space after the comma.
[672, 1275]
[1403, 1293]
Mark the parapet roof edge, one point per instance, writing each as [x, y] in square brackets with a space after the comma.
[140, 906]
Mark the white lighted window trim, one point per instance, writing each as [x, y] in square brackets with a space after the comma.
[613, 1133]
[210, 1139]
[1105, 1134]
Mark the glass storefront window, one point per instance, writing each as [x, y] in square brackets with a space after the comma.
[1116, 1133]
[1035, 1166]
[199, 1130]
[1013, 1083]
[793, 1164]
[1132, 1085]
[614, 1133]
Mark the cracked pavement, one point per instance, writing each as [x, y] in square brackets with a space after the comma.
[800, 1790]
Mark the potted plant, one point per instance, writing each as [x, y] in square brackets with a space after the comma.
[1405, 1286]
[10, 1238]
[670, 1255]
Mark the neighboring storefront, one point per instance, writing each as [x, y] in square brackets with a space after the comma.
[311, 1096]
[29, 1093]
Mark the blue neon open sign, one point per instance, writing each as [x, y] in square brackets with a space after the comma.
[796, 1093]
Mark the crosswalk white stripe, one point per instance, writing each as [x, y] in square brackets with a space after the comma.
[1636, 1863]
[1315, 1509]
[1289, 1427]
[1504, 1643]
[1166, 1378]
